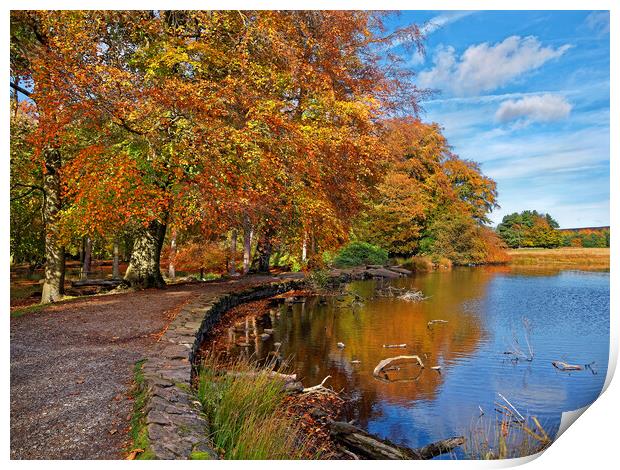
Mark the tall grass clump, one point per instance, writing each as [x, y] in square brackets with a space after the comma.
[244, 406]
[426, 263]
[358, 254]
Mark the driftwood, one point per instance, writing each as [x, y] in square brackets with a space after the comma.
[403, 345]
[386, 362]
[319, 388]
[413, 296]
[564, 366]
[367, 446]
[432, 322]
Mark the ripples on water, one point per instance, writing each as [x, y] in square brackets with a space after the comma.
[484, 307]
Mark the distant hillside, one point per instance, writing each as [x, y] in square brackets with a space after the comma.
[579, 229]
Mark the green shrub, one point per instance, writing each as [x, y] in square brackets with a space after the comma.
[360, 253]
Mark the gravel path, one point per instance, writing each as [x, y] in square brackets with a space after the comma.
[72, 369]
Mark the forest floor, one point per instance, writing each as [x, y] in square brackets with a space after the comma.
[72, 368]
[593, 258]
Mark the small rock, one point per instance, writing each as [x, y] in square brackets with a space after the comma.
[293, 387]
[265, 336]
[317, 413]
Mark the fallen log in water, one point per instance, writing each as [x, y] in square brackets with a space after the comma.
[386, 362]
[365, 445]
[564, 366]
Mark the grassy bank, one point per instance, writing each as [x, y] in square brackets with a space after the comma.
[245, 408]
[139, 447]
[593, 258]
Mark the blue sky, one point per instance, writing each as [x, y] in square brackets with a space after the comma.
[525, 94]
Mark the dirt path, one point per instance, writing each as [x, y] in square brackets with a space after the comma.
[72, 368]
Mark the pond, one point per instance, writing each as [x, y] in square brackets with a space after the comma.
[484, 307]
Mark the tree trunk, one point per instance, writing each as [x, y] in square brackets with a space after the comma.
[312, 244]
[247, 244]
[304, 247]
[368, 446]
[173, 253]
[88, 251]
[263, 251]
[53, 287]
[82, 248]
[127, 244]
[115, 264]
[143, 270]
[233, 253]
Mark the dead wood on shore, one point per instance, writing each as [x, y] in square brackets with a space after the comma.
[362, 444]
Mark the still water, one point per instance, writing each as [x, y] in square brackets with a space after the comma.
[484, 308]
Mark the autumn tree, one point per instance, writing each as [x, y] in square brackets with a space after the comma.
[264, 120]
[27, 227]
[424, 182]
[33, 49]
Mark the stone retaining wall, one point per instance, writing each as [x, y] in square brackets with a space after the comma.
[176, 428]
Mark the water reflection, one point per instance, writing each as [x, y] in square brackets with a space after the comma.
[483, 307]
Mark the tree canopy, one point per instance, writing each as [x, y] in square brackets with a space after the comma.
[529, 229]
[276, 126]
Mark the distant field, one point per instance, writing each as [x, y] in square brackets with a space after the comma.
[587, 257]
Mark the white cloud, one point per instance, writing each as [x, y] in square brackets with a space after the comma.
[485, 67]
[541, 108]
[442, 20]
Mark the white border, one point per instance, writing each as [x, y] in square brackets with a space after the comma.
[591, 443]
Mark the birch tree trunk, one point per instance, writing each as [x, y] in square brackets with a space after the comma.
[304, 247]
[173, 253]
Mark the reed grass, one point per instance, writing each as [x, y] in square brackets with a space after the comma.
[245, 409]
[567, 256]
[424, 263]
[508, 435]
